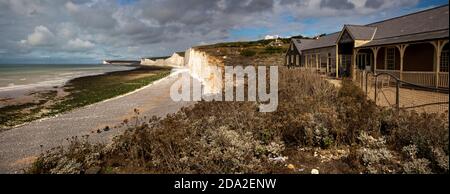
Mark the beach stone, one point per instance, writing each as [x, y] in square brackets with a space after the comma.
[314, 171]
[291, 166]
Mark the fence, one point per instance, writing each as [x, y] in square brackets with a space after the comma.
[421, 78]
[386, 89]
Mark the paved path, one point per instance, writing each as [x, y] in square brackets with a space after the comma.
[20, 146]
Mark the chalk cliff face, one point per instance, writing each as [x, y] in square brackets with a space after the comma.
[175, 61]
[205, 69]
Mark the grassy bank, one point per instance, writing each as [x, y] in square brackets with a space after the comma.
[316, 126]
[80, 92]
[321, 127]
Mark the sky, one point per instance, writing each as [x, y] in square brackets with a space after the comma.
[88, 31]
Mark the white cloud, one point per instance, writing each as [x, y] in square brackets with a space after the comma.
[78, 44]
[41, 36]
[71, 7]
[103, 28]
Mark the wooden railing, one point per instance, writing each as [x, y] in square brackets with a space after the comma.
[396, 73]
[385, 89]
[443, 79]
[420, 78]
[424, 78]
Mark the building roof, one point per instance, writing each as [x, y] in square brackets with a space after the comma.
[420, 22]
[424, 25]
[322, 42]
[302, 44]
[362, 32]
[440, 34]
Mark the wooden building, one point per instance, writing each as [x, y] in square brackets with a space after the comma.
[413, 47]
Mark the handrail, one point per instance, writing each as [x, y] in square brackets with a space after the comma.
[408, 83]
[398, 83]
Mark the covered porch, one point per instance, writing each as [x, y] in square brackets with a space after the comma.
[421, 63]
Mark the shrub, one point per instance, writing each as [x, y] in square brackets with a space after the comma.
[414, 165]
[273, 50]
[355, 112]
[248, 53]
[373, 155]
[428, 132]
[76, 158]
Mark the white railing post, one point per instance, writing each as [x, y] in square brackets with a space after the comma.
[402, 49]
[375, 56]
[438, 46]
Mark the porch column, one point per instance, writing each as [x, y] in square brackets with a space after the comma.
[328, 65]
[353, 69]
[375, 56]
[337, 60]
[402, 49]
[306, 61]
[309, 61]
[317, 62]
[438, 46]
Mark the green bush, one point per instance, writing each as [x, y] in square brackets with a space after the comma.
[248, 53]
[273, 50]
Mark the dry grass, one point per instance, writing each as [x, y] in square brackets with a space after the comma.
[315, 126]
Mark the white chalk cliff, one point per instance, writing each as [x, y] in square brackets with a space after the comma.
[176, 60]
[204, 68]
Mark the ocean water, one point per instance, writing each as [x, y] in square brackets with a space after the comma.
[30, 76]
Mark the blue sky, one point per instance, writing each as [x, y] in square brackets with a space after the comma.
[312, 23]
[44, 31]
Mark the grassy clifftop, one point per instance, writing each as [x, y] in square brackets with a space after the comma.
[263, 52]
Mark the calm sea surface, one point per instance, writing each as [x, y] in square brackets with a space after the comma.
[16, 77]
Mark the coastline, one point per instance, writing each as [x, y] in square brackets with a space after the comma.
[15, 91]
[100, 121]
[46, 102]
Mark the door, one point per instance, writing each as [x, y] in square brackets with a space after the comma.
[345, 65]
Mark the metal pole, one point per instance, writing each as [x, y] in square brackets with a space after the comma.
[367, 75]
[397, 96]
[376, 83]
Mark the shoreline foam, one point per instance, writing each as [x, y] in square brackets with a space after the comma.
[15, 91]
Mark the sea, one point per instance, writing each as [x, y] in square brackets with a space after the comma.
[31, 76]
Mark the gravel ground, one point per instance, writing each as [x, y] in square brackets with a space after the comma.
[21, 145]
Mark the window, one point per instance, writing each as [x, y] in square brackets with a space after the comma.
[297, 60]
[444, 61]
[363, 60]
[390, 58]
